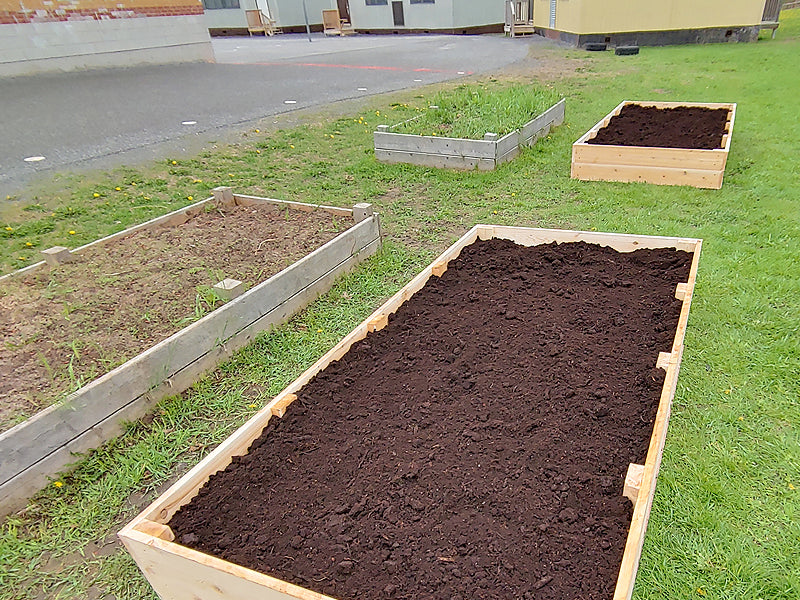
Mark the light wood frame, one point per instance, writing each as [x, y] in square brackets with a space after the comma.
[661, 166]
[180, 573]
[36, 449]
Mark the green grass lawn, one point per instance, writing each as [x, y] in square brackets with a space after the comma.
[470, 111]
[726, 518]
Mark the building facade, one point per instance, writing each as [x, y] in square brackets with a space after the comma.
[62, 35]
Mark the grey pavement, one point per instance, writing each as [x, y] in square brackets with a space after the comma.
[110, 117]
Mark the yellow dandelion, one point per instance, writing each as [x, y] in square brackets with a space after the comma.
[9, 229]
[291, 146]
[252, 406]
[331, 136]
[230, 175]
[494, 212]
[29, 245]
[96, 195]
[198, 181]
[258, 151]
[791, 487]
[257, 131]
[119, 189]
[147, 197]
[133, 183]
[20, 258]
[701, 591]
[190, 198]
[58, 484]
[174, 162]
[728, 391]
[513, 194]
[72, 232]
[319, 330]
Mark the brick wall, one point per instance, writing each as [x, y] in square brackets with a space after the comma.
[48, 11]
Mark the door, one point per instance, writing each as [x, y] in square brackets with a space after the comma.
[344, 9]
[397, 13]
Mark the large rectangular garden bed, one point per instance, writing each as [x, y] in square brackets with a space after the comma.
[123, 320]
[665, 143]
[459, 153]
[475, 437]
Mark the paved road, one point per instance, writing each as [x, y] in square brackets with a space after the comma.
[109, 117]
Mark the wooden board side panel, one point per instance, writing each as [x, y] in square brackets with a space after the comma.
[655, 175]
[650, 157]
[178, 573]
[439, 161]
[434, 145]
[15, 492]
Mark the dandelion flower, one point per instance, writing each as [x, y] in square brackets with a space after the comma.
[190, 198]
[331, 136]
[258, 131]
[58, 484]
[29, 245]
[72, 232]
[258, 151]
[119, 189]
[174, 162]
[319, 330]
[20, 258]
[513, 193]
[9, 229]
[291, 146]
[96, 195]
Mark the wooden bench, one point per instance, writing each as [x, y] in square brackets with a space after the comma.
[332, 24]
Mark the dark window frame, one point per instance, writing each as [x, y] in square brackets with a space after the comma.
[220, 4]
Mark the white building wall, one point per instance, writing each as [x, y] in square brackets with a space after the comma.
[63, 46]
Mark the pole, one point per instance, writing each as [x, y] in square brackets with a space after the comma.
[305, 14]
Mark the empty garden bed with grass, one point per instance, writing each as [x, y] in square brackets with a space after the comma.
[478, 126]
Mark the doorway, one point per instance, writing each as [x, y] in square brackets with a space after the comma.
[344, 9]
[397, 13]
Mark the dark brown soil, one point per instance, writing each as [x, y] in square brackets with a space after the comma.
[64, 327]
[680, 127]
[474, 448]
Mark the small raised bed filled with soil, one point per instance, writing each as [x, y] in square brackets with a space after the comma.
[669, 143]
[474, 443]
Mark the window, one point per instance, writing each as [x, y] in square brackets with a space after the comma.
[377, 2]
[422, 1]
[215, 4]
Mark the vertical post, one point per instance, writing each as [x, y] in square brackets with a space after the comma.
[305, 15]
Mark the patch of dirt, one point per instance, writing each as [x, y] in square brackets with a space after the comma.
[66, 326]
[476, 447]
[680, 127]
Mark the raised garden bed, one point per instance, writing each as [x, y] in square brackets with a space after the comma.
[665, 143]
[459, 153]
[474, 437]
[132, 295]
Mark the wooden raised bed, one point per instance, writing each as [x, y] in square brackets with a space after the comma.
[178, 572]
[457, 153]
[661, 166]
[42, 445]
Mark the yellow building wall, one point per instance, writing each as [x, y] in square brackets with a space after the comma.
[612, 16]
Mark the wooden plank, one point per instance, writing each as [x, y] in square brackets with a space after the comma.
[633, 482]
[245, 200]
[434, 145]
[649, 156]
[15, 492]
[281, 403]
[377, 323]
[663, 360]
[438, 161]
[655, 175]
[621, 242]
[506, 144]
[143, 546]
[641, 510]
[541, 125]
[180, 573]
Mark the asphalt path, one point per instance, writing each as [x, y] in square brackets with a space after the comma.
[105, 118]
